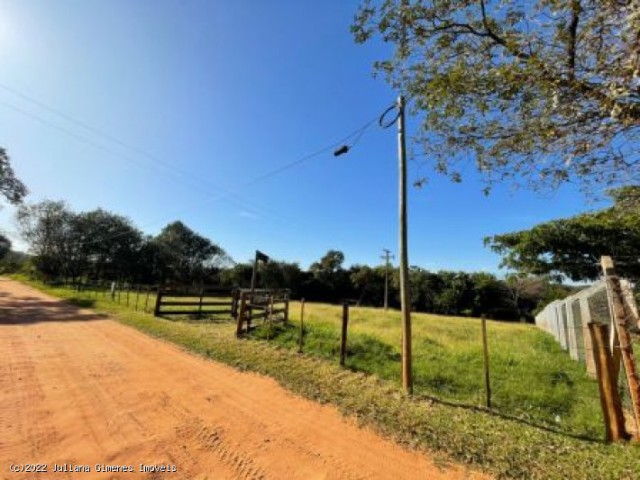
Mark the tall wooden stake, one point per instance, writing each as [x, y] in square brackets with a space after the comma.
[387, 255]
[156, 310]
[405, 296]
[146, 301]
[609, 396]
[343, 337]
[485, 347]
[626, 347]
[301, 325]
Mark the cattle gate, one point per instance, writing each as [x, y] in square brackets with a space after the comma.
[269, 305]
[204, 301]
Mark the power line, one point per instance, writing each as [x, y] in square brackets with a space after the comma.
[194, 182]
[105, 135]
[229, 193]
[356, 133]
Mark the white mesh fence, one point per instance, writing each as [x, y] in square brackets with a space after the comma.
[567, 319]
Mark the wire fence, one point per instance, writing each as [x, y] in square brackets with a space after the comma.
[567, 321]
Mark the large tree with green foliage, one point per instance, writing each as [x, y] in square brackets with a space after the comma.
[184, 255]
[573, 246]
[12, 189]
[46, 226]
[95, 244]
[108, 244]
[547, 91]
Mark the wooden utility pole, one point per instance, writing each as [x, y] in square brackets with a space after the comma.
[624, 338]
[387, 255]
[405, 296]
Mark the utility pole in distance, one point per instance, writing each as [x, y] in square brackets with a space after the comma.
[405, 296]
[387, 255]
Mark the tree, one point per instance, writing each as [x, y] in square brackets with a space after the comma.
[368, 284]
[573, 246]
[237, 276]
[5, 246]
[108, 244]
[275, 274]
[46, 226]
[331, 281]
[329, 264]
[544, 91]
[96, 244]
[10, 186]
[186, 256]
[456, 296]
[492, 298]
[425, 288]
[13, 262]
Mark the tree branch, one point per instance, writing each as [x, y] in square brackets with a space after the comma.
[573, 30]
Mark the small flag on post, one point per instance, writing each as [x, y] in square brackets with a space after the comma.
[261, 256]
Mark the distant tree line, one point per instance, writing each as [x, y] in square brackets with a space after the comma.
[517, 297]
[100, 246]
[65, 246]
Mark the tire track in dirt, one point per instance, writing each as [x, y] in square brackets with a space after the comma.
[101, 392]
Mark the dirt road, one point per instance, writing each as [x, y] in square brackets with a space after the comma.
[78, 389]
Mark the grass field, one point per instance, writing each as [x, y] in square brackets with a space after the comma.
[533, 380]
[531, 376]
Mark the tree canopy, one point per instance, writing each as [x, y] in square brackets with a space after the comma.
[573, 246]
[11, 187]
[186, 255]
[5, 246]
[102, 245]
[540, 92]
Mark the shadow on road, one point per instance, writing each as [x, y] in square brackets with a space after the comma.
[16, 309]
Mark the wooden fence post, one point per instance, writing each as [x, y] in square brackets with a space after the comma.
[200, 304]
[343, 338]
[270, 316]
[156, 312]
[620, 324]
[146, 301]
[301, 344]
[485, 348]
[234, 303]
[286, 307]
[609, 396]
[241, 313]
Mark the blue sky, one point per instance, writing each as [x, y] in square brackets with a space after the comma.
[184, 104]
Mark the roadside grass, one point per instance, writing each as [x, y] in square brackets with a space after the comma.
[531, 376]
[489, 441]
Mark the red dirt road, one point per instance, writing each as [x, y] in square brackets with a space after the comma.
[80, 389]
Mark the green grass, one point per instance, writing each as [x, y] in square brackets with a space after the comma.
[531, 376]
[447, 356]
